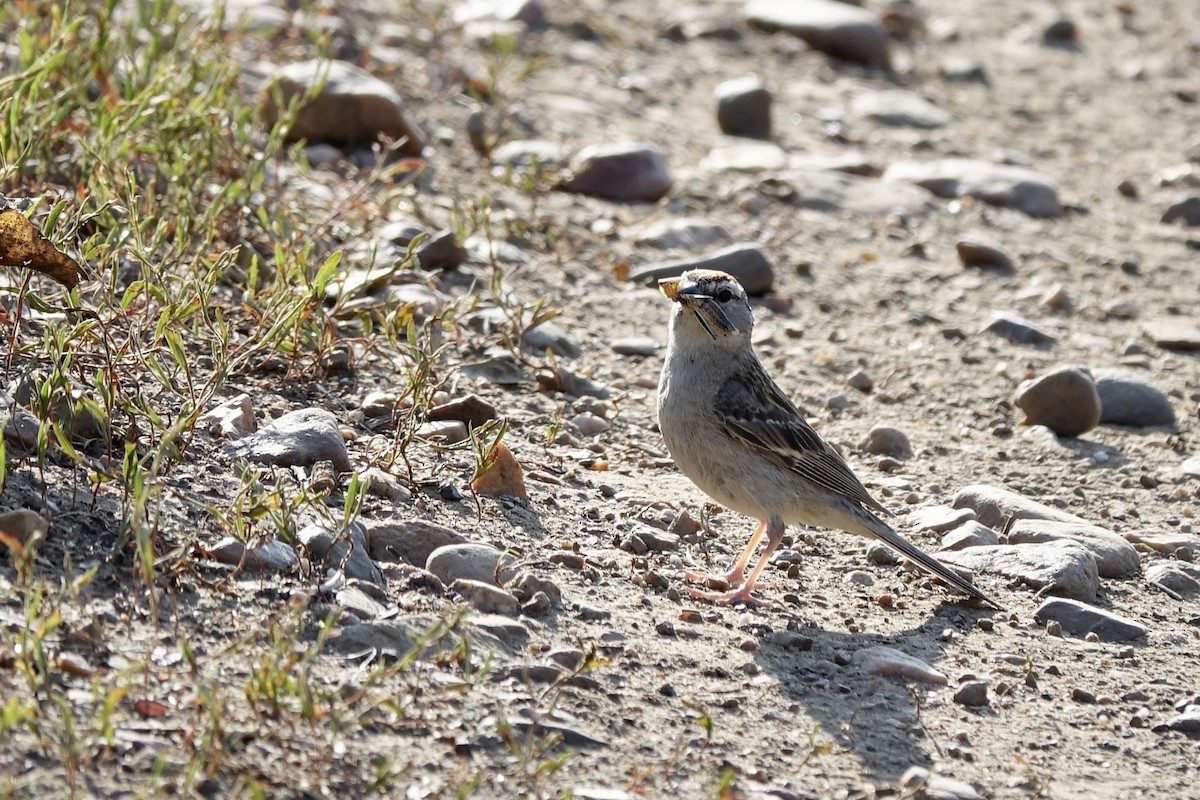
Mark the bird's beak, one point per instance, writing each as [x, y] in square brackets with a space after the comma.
[670, 286]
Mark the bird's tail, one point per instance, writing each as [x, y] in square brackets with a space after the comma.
[882, 531]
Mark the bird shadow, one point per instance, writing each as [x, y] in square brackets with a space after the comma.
[877, 718]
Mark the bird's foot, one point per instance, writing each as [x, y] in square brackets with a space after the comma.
[740, 595]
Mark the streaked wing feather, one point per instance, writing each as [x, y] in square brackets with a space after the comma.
[753, 410]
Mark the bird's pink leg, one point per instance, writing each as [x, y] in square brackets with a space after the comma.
[737, 572]
[742, 594]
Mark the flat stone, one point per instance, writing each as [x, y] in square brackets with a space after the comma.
[274, 556]
[1127, 398]
[1018, 330]
[839, 29]
[352, 106]
[1080, 619]
[1115, 557]
[1164, 541]
[486, 597]
[1172, 333]
[745, 155]
[889, 661]
[995, 506]
[1062, 567]
[410, 541]
[831, 191]
[681, 233]
[446, 431]
[297, 439]
[939, 519]
[899, 108]
[996, 184]
[746, 262]
[1065, 401]
[635, 346]
[528, 153]
[629, 172]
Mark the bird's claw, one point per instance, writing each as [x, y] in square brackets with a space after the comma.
[740, 595]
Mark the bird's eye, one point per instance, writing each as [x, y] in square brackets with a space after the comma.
[724, 296]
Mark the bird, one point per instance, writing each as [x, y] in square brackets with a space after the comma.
[737, 436]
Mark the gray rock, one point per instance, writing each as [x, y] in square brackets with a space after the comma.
[529, 12]
[232, 419]
[472, 410]
[410, 541]
[1018, 330]
[274, 556]
[899, 108]
[1190, 467]
[526, 585]
[1065, 401]
[1064, 567]
[994, 506]
[746, 262]
[745, 155]
[448, 431]
[397, 639]
[681, 233]
[353, 107]
[1171, 333]
[1183, 212]
[744, 108]
[980, 251]
[385, 485]
[1127, 398]
[297, 439]
[1186, 722]
[346, 552]
[1179, 578]
[359, 603]
[486, 597]
[1080, 619]
[839, 29]
[831, 191]
[634, 346]
[628, 172]
[939, 519]
[970, 534]
[471, 561]
[882, 440]
[1164, 542]
[1115, 557]
[996, 184]
[972, 694]
[528, 153]
[963, 69]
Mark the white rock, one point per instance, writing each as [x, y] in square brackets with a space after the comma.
[1115, 557]
[1065, 567]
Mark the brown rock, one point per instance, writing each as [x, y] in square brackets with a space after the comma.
[1065, 401]
[502, 477]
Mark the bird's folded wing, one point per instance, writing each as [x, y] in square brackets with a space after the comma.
[753, 410]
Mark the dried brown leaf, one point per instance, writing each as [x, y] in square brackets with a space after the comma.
[23, 245]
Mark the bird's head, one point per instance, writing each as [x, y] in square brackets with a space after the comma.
[711, 305]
